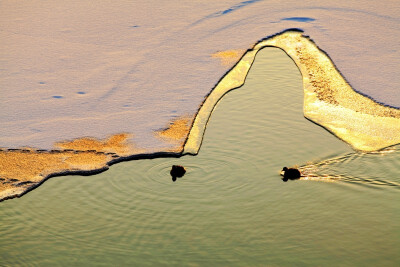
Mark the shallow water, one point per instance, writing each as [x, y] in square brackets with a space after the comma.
[231, 208]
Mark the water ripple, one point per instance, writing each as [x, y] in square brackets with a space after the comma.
[371, 169]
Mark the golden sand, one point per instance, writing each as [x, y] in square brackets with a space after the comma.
[114, 144]
[23, 169]
[176, 131]
[228, 57]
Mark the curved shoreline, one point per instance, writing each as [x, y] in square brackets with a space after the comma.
[329, 101]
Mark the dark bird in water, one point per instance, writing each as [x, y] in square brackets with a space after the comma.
[177, 171]
[290, 174]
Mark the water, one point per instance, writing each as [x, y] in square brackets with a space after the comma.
[231, 208]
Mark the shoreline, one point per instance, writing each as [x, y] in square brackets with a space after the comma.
[326, 94]
[329, 101]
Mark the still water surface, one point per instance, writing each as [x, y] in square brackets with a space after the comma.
[231, 208]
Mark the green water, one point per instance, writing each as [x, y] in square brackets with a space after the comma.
[231, 208]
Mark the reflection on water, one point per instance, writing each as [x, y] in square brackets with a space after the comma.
[231, 208]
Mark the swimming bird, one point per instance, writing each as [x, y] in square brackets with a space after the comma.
[177, 171]
[290, 174]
